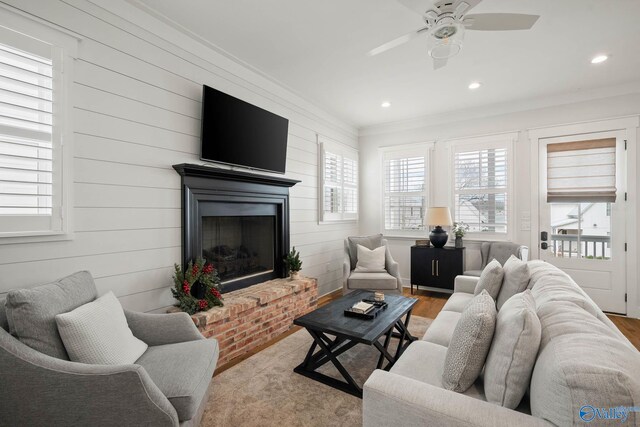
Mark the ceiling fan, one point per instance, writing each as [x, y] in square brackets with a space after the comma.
[446, 21]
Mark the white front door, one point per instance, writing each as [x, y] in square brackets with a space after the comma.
[584, 235]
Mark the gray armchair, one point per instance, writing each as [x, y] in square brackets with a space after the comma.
[500, 251]
[167, 386]
[388, 281]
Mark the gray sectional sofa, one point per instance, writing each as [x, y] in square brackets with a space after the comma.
[584, 363]
[168, 385]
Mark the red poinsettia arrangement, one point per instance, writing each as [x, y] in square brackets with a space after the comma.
[196, 287]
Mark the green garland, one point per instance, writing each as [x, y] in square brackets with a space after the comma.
[202, 273]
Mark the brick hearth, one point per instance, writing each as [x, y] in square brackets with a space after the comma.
[254, 315]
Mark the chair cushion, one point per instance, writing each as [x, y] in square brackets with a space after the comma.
[475, 273]
[470, 343]
[457, 302]
[582, 362]
[31, 312]
[424, 361]
[383, 281]
[370, 260]
[490, 279]
[3, 316]
[441, 329]
[516, 279]
[513, 352]
[369, 242]
[97, 333]
[182, 371]
[501, 251]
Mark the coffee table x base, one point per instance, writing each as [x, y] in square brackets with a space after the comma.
[330, 348]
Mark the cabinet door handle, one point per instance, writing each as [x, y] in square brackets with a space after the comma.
[438, 268]
[432, 268]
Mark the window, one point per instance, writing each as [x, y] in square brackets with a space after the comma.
[32, 114]
[339, 183]
[405, 189]
[481, 196]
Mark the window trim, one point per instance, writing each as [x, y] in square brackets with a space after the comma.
[426, 148]
[324, 145]
[503, 140]
[64, 52]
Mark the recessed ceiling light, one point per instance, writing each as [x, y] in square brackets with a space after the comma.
[385, 104]
[474, 85]
[599, 59]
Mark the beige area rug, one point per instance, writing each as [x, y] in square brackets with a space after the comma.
[264, 391]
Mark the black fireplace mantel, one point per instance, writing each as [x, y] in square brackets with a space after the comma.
[203, 186]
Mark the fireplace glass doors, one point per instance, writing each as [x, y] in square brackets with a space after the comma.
[239, 246]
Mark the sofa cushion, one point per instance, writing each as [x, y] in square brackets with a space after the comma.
[97, 333]
[3, 316]
[182, 371]
[470, 343]
[31, 312]
[490, 279]
[441, 329]
[372, 281]
[513, 351]
[581, 362]
[516, 279]
[424, 361]
[457, 302]
[370, 260]
[369, 242]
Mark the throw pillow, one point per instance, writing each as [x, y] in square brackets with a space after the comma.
[97, 333]
[31, 311]
[516, 279]
[470, 343]
[513, 352]
[370, 261]
[369, 242]
[490, 279]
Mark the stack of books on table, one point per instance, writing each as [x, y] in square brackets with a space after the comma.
[362, 307]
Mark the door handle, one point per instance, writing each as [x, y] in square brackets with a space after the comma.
[544, 236]
[433, 262]
[438, 268]
[544, 245]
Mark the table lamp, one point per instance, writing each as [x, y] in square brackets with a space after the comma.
[438, 217]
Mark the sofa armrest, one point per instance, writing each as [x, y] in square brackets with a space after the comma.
[466, 284]
[39, 390]
[159, 329]
[390, 400]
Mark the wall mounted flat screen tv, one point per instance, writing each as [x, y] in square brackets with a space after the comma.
[238, 133]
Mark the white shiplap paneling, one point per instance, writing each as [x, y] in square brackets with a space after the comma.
[137, 105]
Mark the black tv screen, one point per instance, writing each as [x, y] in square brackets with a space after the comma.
[238, 133]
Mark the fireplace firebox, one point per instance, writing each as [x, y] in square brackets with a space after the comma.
[238, 221]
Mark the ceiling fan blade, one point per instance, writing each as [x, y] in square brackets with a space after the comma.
[418, 6]
[499, 21]
[395, 42]
[439, 63]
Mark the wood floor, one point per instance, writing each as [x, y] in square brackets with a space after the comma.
[429, 305]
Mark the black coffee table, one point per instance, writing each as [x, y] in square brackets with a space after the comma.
[330, 320]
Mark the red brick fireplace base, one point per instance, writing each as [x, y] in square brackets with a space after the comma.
[254, 315]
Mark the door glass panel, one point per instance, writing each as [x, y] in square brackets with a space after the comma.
[580, 230]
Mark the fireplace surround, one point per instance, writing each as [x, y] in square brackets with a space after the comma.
[238, 221]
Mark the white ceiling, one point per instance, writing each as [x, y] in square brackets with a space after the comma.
[318, 49]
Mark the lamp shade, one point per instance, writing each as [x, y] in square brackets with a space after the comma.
[438, 216]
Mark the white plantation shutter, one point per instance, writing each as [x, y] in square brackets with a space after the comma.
[481, 187]
[405, 189]
[339, 188]
[582, 171]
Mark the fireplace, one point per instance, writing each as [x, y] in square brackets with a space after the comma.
[238, 221]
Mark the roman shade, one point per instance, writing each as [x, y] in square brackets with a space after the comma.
[582, 171]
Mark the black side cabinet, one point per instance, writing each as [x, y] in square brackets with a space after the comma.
[436, 267]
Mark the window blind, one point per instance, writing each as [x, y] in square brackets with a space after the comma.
[339, 184]
[405, 192]
[582, 171]
[26, 127]
[480, 190]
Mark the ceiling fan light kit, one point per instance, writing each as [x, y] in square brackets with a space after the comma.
[446, 22]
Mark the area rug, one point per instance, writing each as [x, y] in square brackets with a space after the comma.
[264, 391]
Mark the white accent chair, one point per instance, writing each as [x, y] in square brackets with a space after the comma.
[385, 281]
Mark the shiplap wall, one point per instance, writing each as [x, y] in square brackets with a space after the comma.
[137, 101]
